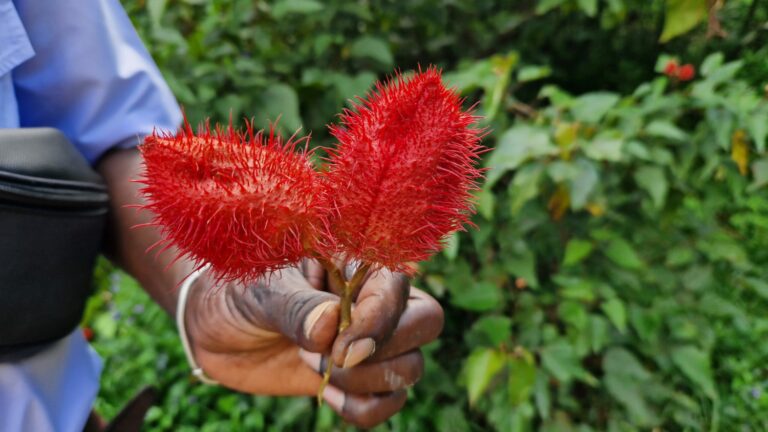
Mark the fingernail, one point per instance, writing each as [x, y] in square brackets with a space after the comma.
[334, 397]
[314, 317]
[358, 351]
[313, 360]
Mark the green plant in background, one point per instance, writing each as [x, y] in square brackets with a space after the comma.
[612, 262]
[617, 279]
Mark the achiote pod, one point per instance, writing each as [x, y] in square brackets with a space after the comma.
[402, 176]
[243, 201]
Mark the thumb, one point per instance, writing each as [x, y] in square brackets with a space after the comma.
[286, 303]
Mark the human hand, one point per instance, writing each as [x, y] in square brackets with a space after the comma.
[267, 339]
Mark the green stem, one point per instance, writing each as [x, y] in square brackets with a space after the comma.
[348, 291]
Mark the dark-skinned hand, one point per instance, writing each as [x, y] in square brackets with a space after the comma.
[274, 337]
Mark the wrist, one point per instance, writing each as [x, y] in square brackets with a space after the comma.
[182, 324]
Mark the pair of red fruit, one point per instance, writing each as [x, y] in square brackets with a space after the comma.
[682, 73]
[399, 181]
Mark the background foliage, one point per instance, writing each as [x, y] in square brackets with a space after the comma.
[617, 279]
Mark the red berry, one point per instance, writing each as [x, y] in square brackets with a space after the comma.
[686, 72]
[88, 333]
[670, 69]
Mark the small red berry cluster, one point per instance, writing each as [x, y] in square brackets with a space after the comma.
[679, 72]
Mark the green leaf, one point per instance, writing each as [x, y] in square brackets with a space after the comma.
[516, 146]
[679, 256]
[665, 129]
[724, 73]
[522, 377]
[624, 379]
[451, 419]
[604, 148]
[576, 250]
[653, 179]
[451, 249]
[622, 253]
[285, 7]
[582, 178]
[694, 363]
[486, 203]
[697, 277]
[349, 86]
[105, 326]
[496, 328]
[573, 313]
[525, 186]
[544, 6]
[533, 73]
[280, 101]
[619, 361]
[724, 247]
[681, 17]
[583, 183]
[472, 76]
[523, 264]
[599, 334]
[558, 97]
[759, 286]
[589, 7]
[615, 311]
[495, 93]
[560, 359]
[479, 369]
[372, 48]
[541, 394]
[646, 322]
[758, 128]
[155, 10]
[591, 107]
[575, 288]
[711, 63]
[483, 296]
[714, 305]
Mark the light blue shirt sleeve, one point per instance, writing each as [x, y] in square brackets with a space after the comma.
[14, 50]
[90, 76]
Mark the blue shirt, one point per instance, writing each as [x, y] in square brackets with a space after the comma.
[78, 66]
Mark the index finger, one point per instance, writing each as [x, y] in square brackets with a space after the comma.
[375, 315]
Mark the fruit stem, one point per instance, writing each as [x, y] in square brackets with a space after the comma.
[348, 292]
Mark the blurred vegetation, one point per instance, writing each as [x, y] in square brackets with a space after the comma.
[617, 279]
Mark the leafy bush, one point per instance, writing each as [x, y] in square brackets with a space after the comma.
[618, 261]
[617, 278]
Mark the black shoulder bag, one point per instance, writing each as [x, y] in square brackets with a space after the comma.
[53, 209]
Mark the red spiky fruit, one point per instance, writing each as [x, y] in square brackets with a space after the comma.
[402, 176]
[244, 202]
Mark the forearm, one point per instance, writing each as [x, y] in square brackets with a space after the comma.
[126, 246]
